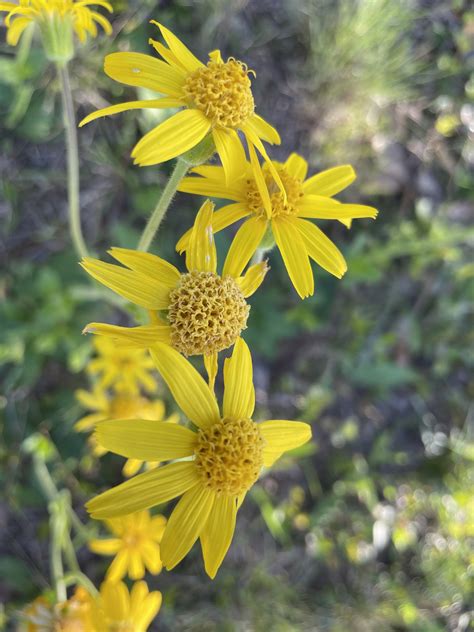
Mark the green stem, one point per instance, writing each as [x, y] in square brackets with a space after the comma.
[57, 532]
[72, 579]
[72, 162]
[158, 214]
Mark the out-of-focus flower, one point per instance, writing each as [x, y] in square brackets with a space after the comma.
[216, 98]
[256, 196]
[57, 21]
[116, 609]
[206, 312]
[223, 458]
[121, 367]
[135, 545]
[119, 407]
[73, 615]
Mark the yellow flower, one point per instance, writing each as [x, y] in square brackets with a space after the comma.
[135, 545]
[256, 196]
[216, 99]
[73, 615]
[206, 312]
[117, 609]
[119, 407]
[57, 19]
[223, 458]
[122, 368]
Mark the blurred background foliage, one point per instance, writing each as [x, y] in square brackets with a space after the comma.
[373, 526]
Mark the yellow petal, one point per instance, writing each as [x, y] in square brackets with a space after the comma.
[152, 557]
[137, 69]
[16, 29]
[212, 187]
[230, 150]
[239, 393]
[131, 467]
[253, 278]
[105, 547]
[319, 207]
[253, 139]
[149, 264]
[222, 218]
[171, 138]
[260, 181]
[331, 181]
[186, 524]
[188, 388]
[130, 105]
[88, 422]
[119, 566]
[295, 256]
[264, 130]
[115, 600]
[181, 52]
[136, 568]
[244, 245]
[167, 55]
[145, 439]
[144, 606]
[133, 286]
[211, 364]
[281, 435]
[145, 490]
[218, 532]
[143, 336]
[321, 248]
[297, 166]
[201, 252]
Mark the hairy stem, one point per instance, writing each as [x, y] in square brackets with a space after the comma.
[158, 214]
[70, 129]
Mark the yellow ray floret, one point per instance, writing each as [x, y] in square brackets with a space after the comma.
[118, 609]
[120, 406]
[216, 100]
[206, 312]
[59, 15]
[224, 457]
[135, 545]
[257, 197]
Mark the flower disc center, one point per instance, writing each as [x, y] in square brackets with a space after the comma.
[222, 91]
[206, 313]
[293, 188]
[229, 455]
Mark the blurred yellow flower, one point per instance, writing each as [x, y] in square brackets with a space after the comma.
[118, 610]
[135, 545]
[119, 407]
[121, 367]
[217, 100]
[57, 20]
[206, 312]
[73, 615]
[223, 458]
[256, 196]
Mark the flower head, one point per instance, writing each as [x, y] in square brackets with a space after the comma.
[125, 369]
[119, 407]
[257, 197]
[206, 312]
[57, 20]
[135, 545]
[223, 457]
[216, 99]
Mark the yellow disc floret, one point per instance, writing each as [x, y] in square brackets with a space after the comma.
[222, 91]
[280, 206]
[206, 313]
[229, 455]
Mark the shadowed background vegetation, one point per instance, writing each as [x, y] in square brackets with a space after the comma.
[373, 525]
